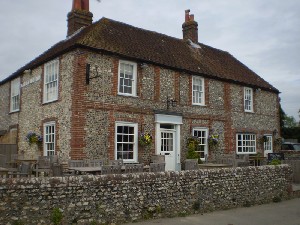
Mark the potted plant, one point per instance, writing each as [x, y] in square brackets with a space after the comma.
[192, 144]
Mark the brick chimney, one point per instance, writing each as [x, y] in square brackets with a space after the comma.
[190, 28]
[79, 17]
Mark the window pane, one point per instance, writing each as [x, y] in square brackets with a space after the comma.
[198, 90]
[246, 143]
[51, 81]
[127, 78]
[49, 139]
[125, 142]
[201, 134]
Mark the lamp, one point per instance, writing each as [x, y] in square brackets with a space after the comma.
[275, 132]
[171, 102]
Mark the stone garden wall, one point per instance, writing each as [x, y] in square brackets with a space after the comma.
[121, 198]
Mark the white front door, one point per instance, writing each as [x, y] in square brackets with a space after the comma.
[167, 148]
[167, 136]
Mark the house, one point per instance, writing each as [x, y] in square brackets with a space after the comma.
[94, 93]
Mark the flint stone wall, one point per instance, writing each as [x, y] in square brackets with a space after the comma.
[121, 198]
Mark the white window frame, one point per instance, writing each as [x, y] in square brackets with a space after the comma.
[248, 99]
[205, 140]
[133, 80]
[51, 81]
[49, 138]
[134, 143]
[268, 145]
[198, 95]
[248, 142]
[15, 95]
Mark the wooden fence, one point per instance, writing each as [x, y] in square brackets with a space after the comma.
[8, 150]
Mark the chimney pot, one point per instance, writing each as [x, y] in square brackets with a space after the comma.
[187, 15]
[190, 27]
[79, 17]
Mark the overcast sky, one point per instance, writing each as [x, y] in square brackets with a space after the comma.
[262, 34]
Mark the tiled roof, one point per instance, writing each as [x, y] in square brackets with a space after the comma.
[152, 47]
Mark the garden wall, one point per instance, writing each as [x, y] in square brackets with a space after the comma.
[120, 198]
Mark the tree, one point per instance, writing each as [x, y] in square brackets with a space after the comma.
[288, 126]
[289, 122]
[281, 118]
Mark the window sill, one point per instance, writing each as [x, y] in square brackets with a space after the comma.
[12, 112]
[203, 105]
[249, 112]
[245, 153]
[46, 103]
[124, 95]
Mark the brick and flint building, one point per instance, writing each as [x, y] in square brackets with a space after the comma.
[93, 94]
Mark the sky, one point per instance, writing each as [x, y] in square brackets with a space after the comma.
[264, 35]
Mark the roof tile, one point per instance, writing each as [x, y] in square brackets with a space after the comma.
[148, 46]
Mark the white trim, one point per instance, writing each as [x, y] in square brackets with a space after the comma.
[248, 96]
[135, 141]
[246, 144]
[271, 142]
[15, 95]
[47, 67]
[172, 120]
[134, 78]
[168, 119]
[202, 102]
[206, 144]
[48, 124]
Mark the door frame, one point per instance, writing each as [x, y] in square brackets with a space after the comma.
[176, 121]
[268, 151]
[170, 155]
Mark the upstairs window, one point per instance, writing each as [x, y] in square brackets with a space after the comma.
[15, 95]
[198, 91]
[248, 99]
[127, 78]
[246, 143]
[51, 73]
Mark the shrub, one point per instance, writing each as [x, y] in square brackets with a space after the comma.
[275, 162]
[56, 216]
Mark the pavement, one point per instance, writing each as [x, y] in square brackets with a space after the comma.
[282, 213]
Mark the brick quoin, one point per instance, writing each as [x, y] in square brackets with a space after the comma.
[139, 82]
[157, 84]
[228, 131]
[190, 90]
[115, 72]
[177, 87]
[111, 137]
[78, 107]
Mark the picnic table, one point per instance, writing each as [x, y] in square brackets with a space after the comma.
[3, 171]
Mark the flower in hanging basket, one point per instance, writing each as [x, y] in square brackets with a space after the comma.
[33, 138]
[213, 140]
[145, 139]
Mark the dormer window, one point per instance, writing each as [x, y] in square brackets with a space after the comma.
[248, 99]
[15, 95]
[127, 78]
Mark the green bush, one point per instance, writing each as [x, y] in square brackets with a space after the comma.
[275, 162]
[192, 146]
[56, 216]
